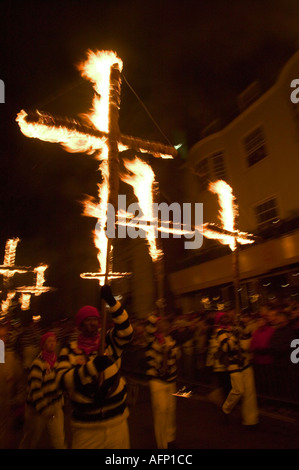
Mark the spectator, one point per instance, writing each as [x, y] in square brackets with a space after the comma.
[262, 358]
[285, 385]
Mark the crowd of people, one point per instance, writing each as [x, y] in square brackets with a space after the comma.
[69, 380]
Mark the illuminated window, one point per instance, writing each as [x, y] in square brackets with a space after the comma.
[255, 146]
[266, 212]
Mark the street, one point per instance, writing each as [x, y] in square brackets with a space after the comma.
[201, 426]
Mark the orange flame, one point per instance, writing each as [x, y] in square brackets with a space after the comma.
[227, 215]
[97, 69]
[142, 180]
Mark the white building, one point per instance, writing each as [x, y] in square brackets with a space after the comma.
[257, 153]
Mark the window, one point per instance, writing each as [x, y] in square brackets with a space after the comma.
[218, 165]
[255, 146]
[203, 173]
[266, 212]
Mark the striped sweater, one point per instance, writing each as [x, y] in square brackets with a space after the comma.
[43, 393]
[79, 374]
[234, 348]
[161, 357]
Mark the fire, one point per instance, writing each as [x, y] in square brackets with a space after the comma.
[142, 179]
[102, 69]
[40, 278]
[71, 140]
[6, 304]
[227, 214]
[7, 269]
[97, 70]
[25, 301]
[10, 251]
[100, 212]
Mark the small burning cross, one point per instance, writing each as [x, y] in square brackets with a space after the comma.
[9, 269]
[228, 234]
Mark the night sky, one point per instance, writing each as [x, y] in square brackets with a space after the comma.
[186, 61]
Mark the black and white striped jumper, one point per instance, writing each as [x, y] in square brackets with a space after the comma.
[235, 347]
[43, 390]
[161, 357]
[79, 374]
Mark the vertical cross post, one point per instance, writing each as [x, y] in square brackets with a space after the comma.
[113, 166]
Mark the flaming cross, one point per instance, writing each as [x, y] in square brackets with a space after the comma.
[100, 136]
[8, 269]
[97, 134]
[228, 234]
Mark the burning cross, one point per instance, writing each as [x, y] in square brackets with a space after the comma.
[9, 269]
[100, 136]
[228, 234]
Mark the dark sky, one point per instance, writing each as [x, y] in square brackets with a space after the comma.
[186, 60]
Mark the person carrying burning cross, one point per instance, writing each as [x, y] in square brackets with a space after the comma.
[92, 380]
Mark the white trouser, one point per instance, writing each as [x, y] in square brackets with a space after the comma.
[110, 434]
[35, 424]
[164, 411]
[243, 388]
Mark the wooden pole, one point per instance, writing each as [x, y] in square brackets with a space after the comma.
[113, 166]
[236, 268]
[236, 275]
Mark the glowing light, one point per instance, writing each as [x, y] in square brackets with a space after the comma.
[142, 180]
[96, 138]
[227, 215]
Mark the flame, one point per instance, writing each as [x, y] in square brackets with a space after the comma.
[25, 301]
[40, 278]
[72, 141]
[9, 260]
[126, 219]
[6, 304]
[97, 69]
[100, 212]
[37, 289]
[10, 251]
[142, 180]
[227, 211]
[227, 215]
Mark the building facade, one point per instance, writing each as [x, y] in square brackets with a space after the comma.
[257, 154]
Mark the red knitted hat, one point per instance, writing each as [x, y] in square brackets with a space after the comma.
[45, 337]
[85, 312]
